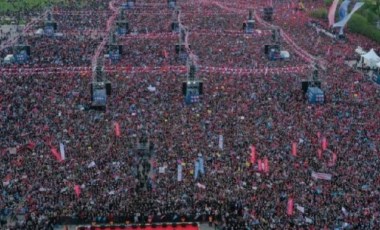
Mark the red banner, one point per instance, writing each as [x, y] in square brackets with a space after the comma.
[294, 148]
[56, 154]
[260, 165]
[117, 129]
[266, 165]
[324, 143]
[253, 155]
[290, 208]
[77, 190]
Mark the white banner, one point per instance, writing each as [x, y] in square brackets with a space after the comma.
[344, 21]
[161, 169]
[300, 208]
[221, 140]
[202, 186]
[321, 176]
[62, 150]
[179, 172]
[91, 165]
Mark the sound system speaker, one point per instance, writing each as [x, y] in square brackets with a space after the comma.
[175, 27]
[266, 49]
[27, 50]
[91, 91]
[120, 49]
[181, 48]
[184, 88]
[306, 84]
[200, 88]
[108, 88]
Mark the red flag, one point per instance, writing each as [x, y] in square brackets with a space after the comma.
[77, 190]
[117, 129]
[266, 165]
[253, 154]
[294, 148]
[31, 145]
[260, 165]
[333, 160]
[56, 154]
[319, 152]
[290, 207]
[324, 143]
[165, 53]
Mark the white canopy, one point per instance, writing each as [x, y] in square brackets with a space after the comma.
[284, 54]
[378, 64]
[370, 58]
[39, 32]
[9, 58]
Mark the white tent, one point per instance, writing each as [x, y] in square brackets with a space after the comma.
[39, 32]
[9, 59]
[284, 54]
[370, 59]
[378, 65]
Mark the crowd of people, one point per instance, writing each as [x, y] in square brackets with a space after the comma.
[106, 178]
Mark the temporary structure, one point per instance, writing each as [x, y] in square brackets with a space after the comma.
[370, 59]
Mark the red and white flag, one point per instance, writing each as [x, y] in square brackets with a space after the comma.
[77, 190]
[55, 153]
[324, 143]
[117, 129]
[290, 208]
[266, 165]
[294, 148]
[260, 165]
[253, 155]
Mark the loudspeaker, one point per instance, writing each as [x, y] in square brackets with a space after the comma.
[184, 88]
[315, 74]
[175, 27]
[200, 88]
[120, 49]
[305, 85]
[27, 49]
[91, 91]
[179, 48]
[266, 49]
[108, 88]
